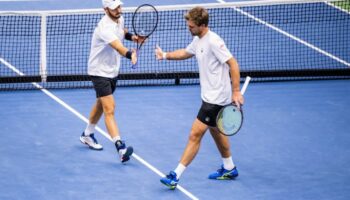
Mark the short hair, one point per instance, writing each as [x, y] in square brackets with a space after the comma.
[198, 15]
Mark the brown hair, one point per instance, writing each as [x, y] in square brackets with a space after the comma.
[198, 15]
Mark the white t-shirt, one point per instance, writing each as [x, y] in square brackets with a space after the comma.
[104, 60]
[212, 55]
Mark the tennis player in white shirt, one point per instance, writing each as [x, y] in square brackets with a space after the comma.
[217, 70]
[107, 49]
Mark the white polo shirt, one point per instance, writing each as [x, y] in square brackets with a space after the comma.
[212, 55]
[104, 60]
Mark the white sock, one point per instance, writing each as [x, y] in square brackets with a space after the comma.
[179, 170]
[115, 139]
[228, 163]
[90, 128]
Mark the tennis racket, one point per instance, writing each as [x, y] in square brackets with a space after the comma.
[230, 117]
[144, 23]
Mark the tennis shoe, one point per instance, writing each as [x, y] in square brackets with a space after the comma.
[224, 174]
[170, 180]
[123, 151]
[90, 141]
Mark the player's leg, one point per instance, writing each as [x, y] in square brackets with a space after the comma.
[194, 140]
[105, 104]
[87, 137]
[222, 142]
[228, 170]
[96, 112]
[108, 106]
[197, 131]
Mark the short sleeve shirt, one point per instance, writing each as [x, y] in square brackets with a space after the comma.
[212, 55]
[104, 60]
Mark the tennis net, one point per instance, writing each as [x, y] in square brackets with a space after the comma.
[272, 41]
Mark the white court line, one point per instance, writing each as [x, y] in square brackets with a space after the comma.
[68, 107]
[289, 35]
[337, 7]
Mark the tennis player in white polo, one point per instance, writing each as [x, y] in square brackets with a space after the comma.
[217, 70]
[107, 49]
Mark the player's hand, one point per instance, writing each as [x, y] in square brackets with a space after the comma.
[138, 39]
[134, 56]
[159, 53]
[237, 98]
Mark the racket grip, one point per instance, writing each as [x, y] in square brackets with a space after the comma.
[135, 65]
[245, 85]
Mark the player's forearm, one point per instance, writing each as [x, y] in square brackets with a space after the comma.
[235, 74]
[179, 54]
[117, 45]
[123, 51]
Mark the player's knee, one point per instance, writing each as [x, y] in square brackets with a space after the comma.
[108, 111]
[195, 137]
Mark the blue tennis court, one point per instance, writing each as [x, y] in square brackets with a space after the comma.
[294, 143]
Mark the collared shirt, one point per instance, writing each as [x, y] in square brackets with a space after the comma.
[212, 55]
[104, 60]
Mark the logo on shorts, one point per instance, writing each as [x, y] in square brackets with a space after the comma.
[207, 119]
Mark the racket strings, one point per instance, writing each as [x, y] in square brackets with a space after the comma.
[230, 120]
[145, 22]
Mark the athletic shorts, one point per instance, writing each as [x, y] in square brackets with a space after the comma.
[208, 112]
[103, 86]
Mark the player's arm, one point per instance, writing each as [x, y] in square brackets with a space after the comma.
[122, 50]
[180, 54]
[237, 97]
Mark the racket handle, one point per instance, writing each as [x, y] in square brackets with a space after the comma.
[134, 66]
[137, 56]
[245, 85]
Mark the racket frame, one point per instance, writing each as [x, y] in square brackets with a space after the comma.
[244, 87]
[139, 45]
[220, 115]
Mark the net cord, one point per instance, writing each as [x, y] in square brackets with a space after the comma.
[167, 7]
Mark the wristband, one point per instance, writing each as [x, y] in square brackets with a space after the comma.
[128, 54]
[164, 56]
[128, 36]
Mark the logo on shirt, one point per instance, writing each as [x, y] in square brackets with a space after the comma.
[222, 46]
[202, 50]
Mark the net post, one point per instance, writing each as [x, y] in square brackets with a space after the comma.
[43, 56]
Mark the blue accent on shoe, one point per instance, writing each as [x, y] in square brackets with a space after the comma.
[170, 180]
[93, 138]
[224, 174]
[95, 145]
[120, 145]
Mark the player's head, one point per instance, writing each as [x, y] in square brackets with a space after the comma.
[112, 8]
[197, 20]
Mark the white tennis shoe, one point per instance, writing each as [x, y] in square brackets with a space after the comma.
[90, 141]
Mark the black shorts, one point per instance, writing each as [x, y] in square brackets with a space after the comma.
[208, 112]
[103, 86]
